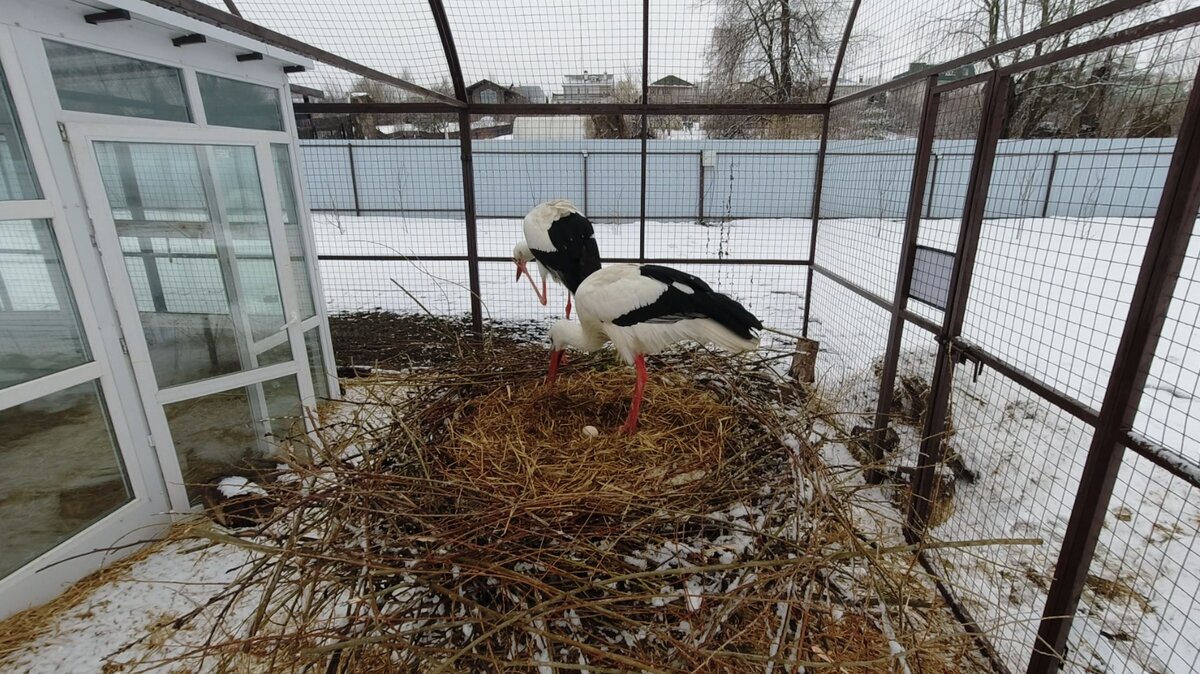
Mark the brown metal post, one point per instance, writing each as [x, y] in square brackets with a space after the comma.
[932, 186]
[1050, 183]
[700, 197]
[908, 251]
[819, 177]
[468, 167]
[990, 129]
[841, 54]
[645, 127]
[1163, 259]
[353, 178]
[228, 21]
[468, 170]
[818, 181]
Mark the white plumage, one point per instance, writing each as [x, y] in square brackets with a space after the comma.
[562, 241]
[642, 310]
[537, 222]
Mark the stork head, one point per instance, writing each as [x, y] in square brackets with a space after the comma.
[566, 333]
[522, 255]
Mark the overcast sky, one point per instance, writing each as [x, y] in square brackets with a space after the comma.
[535, 42]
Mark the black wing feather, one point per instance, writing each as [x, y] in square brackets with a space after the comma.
[675, 304]
[571, 231]
[576, 254]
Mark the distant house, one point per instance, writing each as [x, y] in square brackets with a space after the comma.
[533, 94]
[301, 94]
[586, 88]
[954, 74]
[672, 89]
[487, 92]
[846, 87]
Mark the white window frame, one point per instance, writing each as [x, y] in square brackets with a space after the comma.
[144, 514]
[24, 24]
[83, 138]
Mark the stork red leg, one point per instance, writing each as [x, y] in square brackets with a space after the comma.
[545, 296]
[568, 305]
[631, 424]
[555, 359]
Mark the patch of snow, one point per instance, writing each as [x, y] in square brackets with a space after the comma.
[239, 486]
[693, 593]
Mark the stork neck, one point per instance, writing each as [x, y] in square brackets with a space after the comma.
[575, 335]
[571, 278]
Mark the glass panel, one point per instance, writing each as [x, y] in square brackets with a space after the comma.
[16, 177]
[94, 81]
[232, 103]
[62, 472]
[293, 229]
[40, 332]
[316, 362]
[193, 228]
[227, 433]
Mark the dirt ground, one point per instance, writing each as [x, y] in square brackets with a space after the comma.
[390, 341]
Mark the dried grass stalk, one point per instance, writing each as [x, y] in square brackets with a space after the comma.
[461, 520]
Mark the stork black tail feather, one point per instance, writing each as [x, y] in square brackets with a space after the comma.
[732, 315]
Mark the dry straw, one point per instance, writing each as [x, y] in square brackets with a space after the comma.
[461, 520]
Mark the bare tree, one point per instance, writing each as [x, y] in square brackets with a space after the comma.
[1076, 97]
[773, 50]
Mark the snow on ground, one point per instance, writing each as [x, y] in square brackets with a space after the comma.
[1048, 296]
[1045, 296]
[129, 624]
[147, 617]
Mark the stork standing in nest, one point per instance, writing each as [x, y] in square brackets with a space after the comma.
[644, 308]
[562, 242]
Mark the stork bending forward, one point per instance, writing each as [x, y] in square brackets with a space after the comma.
[643, 309]
[563, 242]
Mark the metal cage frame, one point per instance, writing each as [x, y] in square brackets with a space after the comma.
[1164, 255]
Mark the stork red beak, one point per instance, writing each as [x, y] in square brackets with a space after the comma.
[523, 269]
[555, 359]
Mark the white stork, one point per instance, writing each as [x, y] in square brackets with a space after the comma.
[644, 308]
[562, 241]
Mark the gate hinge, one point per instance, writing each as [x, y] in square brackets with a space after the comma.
[62, 131]
[124, 346]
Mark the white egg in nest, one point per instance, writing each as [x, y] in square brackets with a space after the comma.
[591, 431]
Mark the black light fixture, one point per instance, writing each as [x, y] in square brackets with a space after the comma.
[194, 38]
[293, 69]
[106, 16]
[250, 56]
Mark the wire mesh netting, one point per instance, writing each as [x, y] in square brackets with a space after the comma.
[1169, 414]
[565, 52]
[1078, 176]
[1026, 456]
[864, 196]
[1072, 196]
[382, 207]
[890, 40]
[1140, 598]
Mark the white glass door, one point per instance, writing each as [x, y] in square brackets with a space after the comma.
[193, 231]
[72, 482]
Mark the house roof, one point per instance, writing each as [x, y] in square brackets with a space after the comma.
[672, 81]
[482, 83]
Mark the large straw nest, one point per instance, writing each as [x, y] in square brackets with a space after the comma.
[527, 443]
[460, 520]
